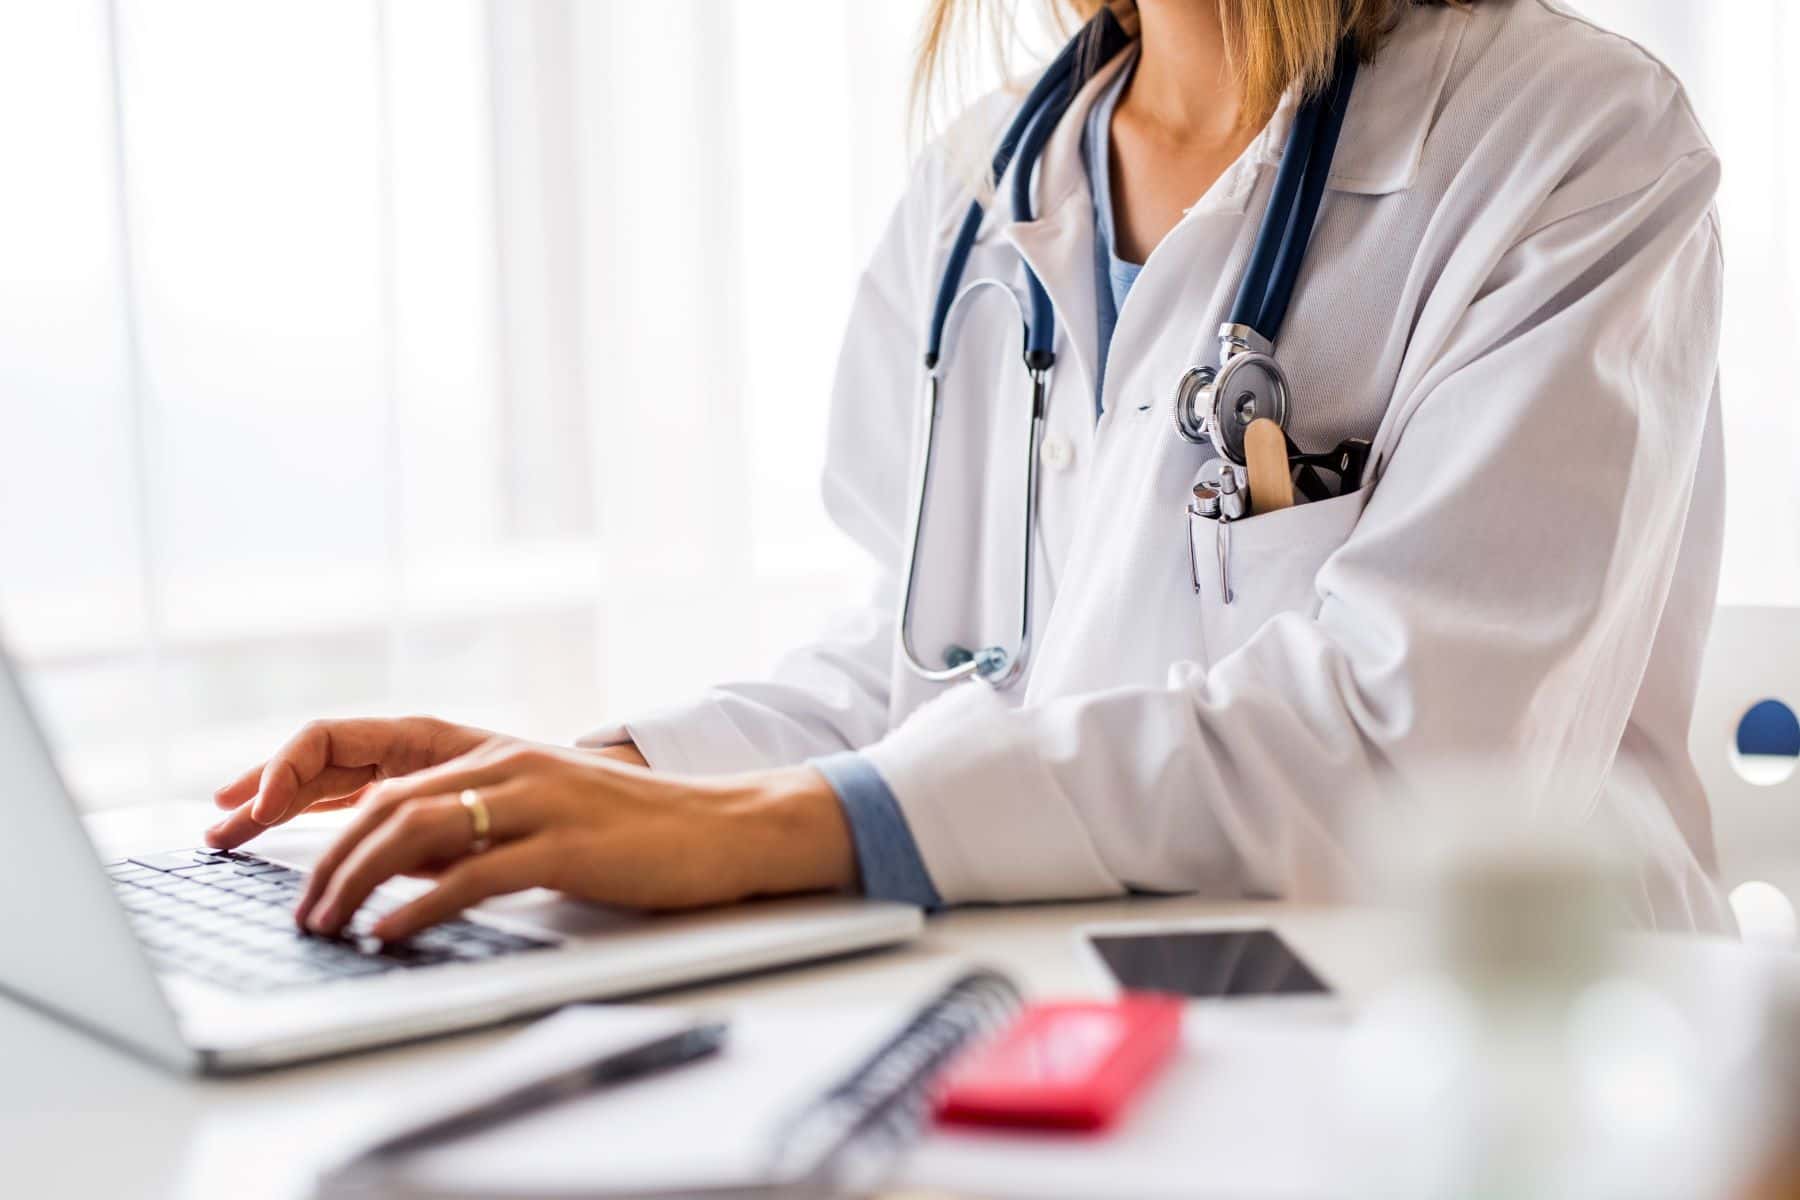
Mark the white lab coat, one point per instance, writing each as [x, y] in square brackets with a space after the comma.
[1514, 291]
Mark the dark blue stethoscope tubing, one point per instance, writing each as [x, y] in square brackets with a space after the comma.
[1055, 75]
[1259, 272]
[950, 280]
[1305, 214]
[1040, 333]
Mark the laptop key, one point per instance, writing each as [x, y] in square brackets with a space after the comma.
[363, 968]
[169, 860]
[227, 917]
[480, 950]
[213, 873]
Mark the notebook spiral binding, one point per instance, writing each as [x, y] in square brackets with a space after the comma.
[848, 1138]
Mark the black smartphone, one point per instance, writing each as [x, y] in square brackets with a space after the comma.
[1214, 963]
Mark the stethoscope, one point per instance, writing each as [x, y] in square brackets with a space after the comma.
[1214, 403]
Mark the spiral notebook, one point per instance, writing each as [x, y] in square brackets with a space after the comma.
[800, 1102]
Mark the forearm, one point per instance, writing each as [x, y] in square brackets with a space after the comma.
[786, 833]
[782, 830]
[785, 806]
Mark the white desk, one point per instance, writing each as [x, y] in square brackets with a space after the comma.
[79, 1118]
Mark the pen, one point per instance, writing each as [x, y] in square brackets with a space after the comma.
[674, 1050]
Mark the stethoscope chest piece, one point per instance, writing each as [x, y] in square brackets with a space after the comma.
[1217, 404]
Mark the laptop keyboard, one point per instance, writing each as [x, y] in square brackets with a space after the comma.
[228, 917]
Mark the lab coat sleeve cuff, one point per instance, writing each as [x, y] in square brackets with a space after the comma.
[886, 854]
[698, 738]
[985, 810]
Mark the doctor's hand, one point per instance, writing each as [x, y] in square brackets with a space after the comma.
[586, 824]
[330, 764]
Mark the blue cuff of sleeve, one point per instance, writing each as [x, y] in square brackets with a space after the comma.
[886, 854]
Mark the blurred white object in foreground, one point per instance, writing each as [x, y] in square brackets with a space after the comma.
[1765, 915]
[1529, 1063]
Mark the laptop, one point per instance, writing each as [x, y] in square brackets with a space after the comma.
[190, 956]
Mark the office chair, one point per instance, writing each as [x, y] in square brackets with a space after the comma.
[1748, 765]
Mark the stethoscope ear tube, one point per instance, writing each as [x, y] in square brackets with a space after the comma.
[996, 665]
[952, 670]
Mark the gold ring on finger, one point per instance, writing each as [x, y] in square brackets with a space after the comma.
[481, 824]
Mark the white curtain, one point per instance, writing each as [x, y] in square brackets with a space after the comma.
[471, 356]
[398, 355]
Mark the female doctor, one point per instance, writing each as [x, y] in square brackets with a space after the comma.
[1461, 262]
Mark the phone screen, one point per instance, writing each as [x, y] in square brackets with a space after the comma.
[1208, 963]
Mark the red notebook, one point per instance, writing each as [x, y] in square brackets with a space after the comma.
[1071, 1065]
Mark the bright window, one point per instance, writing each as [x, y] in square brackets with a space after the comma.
[415, 355]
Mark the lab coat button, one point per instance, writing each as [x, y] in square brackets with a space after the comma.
[1058, 452]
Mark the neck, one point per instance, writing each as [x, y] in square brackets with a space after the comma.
[1182, 82]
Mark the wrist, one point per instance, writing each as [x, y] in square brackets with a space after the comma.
[789, 834]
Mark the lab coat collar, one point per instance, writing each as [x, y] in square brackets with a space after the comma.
[1391, 113]
[1392, 107]
[1383, 140]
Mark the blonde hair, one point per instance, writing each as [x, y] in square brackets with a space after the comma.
[1272, 44]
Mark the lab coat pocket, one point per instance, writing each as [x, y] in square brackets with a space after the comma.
[1273, 561]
